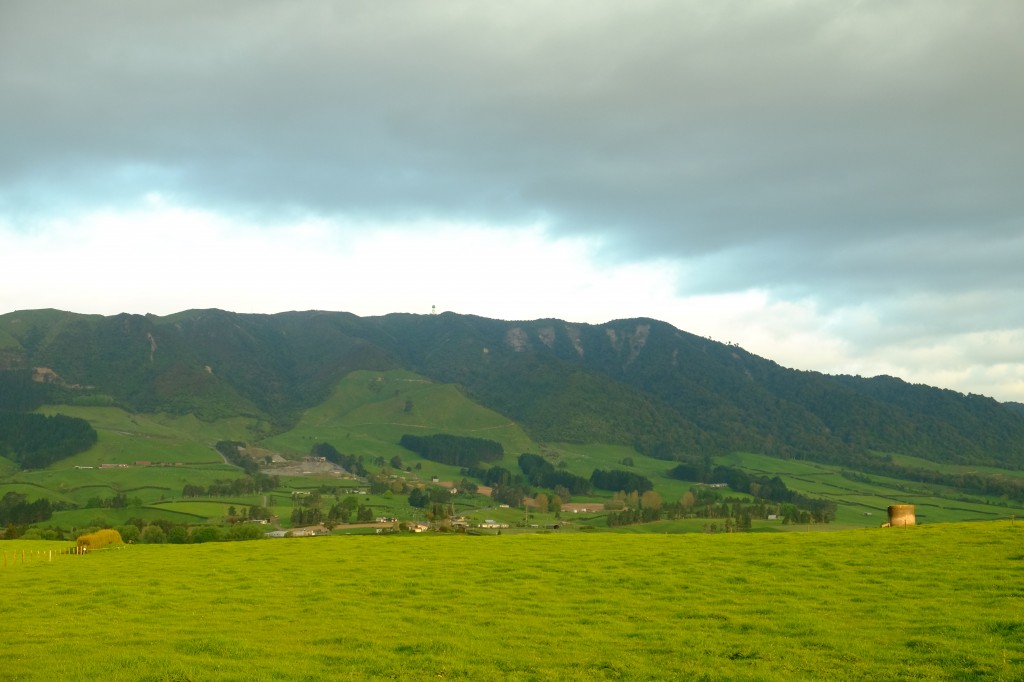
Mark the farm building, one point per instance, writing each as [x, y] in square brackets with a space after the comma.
[577, 507]
[491, 523]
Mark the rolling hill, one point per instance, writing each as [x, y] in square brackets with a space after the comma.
[630, 395]
[637, 382]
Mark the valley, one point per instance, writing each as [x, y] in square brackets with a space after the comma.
[141, 464]
[210, 418]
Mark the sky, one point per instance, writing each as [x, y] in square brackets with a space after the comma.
[834, 185]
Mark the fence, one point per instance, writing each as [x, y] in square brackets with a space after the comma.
[24, 555]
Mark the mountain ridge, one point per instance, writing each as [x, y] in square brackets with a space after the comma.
[635, 381]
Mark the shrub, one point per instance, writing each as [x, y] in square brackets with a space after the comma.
[154, 535]
[129, 533]
[205, 534]
[101, 538]
[177, 535]
[244, 531]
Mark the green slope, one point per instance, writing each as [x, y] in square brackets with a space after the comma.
[863, 499]
[368, 412]
[125, 437]
[636, 382]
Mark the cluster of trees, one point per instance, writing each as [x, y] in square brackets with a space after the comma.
[772, 489]
[20, 393]
[491, 476]
[461, 451]
[973, 482]
[34, 441]
[245, 513]
[16, 510]
[351, 463]
[342, 512]
[231, 449]
[709, 503]
[161, 532]
[542, 473]
[118, 501]
[383, 482]
[616, 479]
[642, 508]
[308, 510]
[306, 516]
[421, 498]
[543, 503]
[506, 487]
[249, 485]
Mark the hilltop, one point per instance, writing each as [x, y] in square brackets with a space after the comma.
[636, 397]
[636, 382]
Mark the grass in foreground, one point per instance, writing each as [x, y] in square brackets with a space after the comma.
[934, 602]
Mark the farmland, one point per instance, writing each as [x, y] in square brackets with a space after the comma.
[939, 602]
[145, 462]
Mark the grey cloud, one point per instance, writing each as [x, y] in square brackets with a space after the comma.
[843, 149]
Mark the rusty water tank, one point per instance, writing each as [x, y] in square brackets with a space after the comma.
[902, 515]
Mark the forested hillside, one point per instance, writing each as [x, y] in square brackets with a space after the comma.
[638, 382]
[34, 441]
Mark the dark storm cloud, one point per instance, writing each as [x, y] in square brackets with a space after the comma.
[844, 150]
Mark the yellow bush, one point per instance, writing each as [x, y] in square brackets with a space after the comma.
[100, 538]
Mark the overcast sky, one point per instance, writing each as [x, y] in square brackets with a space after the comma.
[835, 185]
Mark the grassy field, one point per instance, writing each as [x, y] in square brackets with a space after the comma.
[864, 503]
[940, 602]
[150, 484]
[125, 438]
[367, 412]
[366, 415]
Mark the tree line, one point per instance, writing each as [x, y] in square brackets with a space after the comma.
[34, 441]
[616, 479]
[20, 393]
[249, 485]
[308, 510]
[543, 474]
[351, 463]
[461, 451]
[16, 510]
[772, 489]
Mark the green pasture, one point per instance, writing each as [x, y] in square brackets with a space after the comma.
[683, 526]
[124, 438]
[33, 492]
[366, 413]
[917, 462]
[937, 602]
[770, 466]
[864, 503]
[583, 459]
[104, 517]
[150, 484]
[212, 511]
